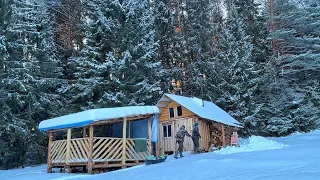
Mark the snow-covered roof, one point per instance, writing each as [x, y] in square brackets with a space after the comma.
[209, 111]
[89, 116]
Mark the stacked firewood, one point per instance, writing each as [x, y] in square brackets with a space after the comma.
[228, 131]
[216, 136]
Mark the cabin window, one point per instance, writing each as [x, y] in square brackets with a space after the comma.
[171, 112]
[167, 130]
[179, 110]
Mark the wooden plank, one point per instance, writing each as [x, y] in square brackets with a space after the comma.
[62, 150]
[114, 165]
[55, 149]
[130, 149]
[90, 160]
[118, 154]
[129, 118]
[104, 145]
[68, 147]
[223, 136]
[77, 146]
[129, 134]
[164, 116]
[117, 144]
[83, 148]
[73, 153]
[84, 132]
[97, 147]
[49, 168]
[149, 136]
[172, 141]
[124, 132]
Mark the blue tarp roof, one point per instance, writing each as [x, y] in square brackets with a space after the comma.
[87, 117]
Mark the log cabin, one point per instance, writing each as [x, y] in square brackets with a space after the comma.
[113, 149]
[215, 125]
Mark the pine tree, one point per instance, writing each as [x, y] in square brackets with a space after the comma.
[297, 40]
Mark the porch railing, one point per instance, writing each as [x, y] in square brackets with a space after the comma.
[105, 149]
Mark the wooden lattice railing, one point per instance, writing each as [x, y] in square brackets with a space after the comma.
[79, 150]
[104, 149]
[107, 149]
[58, 151]
[131, 154]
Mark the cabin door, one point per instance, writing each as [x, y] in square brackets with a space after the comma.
[188, 123]
[167, 137]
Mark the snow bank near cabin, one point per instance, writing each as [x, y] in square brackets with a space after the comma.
[253, 143]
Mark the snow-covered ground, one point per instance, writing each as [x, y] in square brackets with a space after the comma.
[293, 157]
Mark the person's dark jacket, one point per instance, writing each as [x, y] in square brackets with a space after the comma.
[195, 132]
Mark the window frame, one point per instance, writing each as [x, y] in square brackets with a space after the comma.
[167, 126]
[172, 113]
[180, 111]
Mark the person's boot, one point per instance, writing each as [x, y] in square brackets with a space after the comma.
[181, 155]
[176, 155]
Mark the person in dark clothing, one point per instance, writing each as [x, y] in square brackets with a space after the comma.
[195, 138]
[180, 139]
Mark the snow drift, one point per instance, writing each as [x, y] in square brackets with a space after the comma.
[254, 143]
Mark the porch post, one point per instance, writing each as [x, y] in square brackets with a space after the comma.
[90, 160]
[68, 150]
[49, 161]
[84, 132]
[223, 136]
[124, 133]
[149, 136]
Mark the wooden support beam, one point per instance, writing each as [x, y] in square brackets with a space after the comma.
[129, 133]
[84, 132]
[223, 136]
[124, 139]
[149, 136]
[90, 160]
[49, 161]
[68, 152]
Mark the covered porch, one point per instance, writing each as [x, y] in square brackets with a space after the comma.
[97, 149]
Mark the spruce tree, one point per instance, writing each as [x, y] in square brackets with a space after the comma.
[94, 69]
[170, 51]
[233, 73]
[199, 32]
[31, 89]
[141, 72]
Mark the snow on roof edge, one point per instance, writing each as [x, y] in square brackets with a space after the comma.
[189, 103]
[89, 116]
